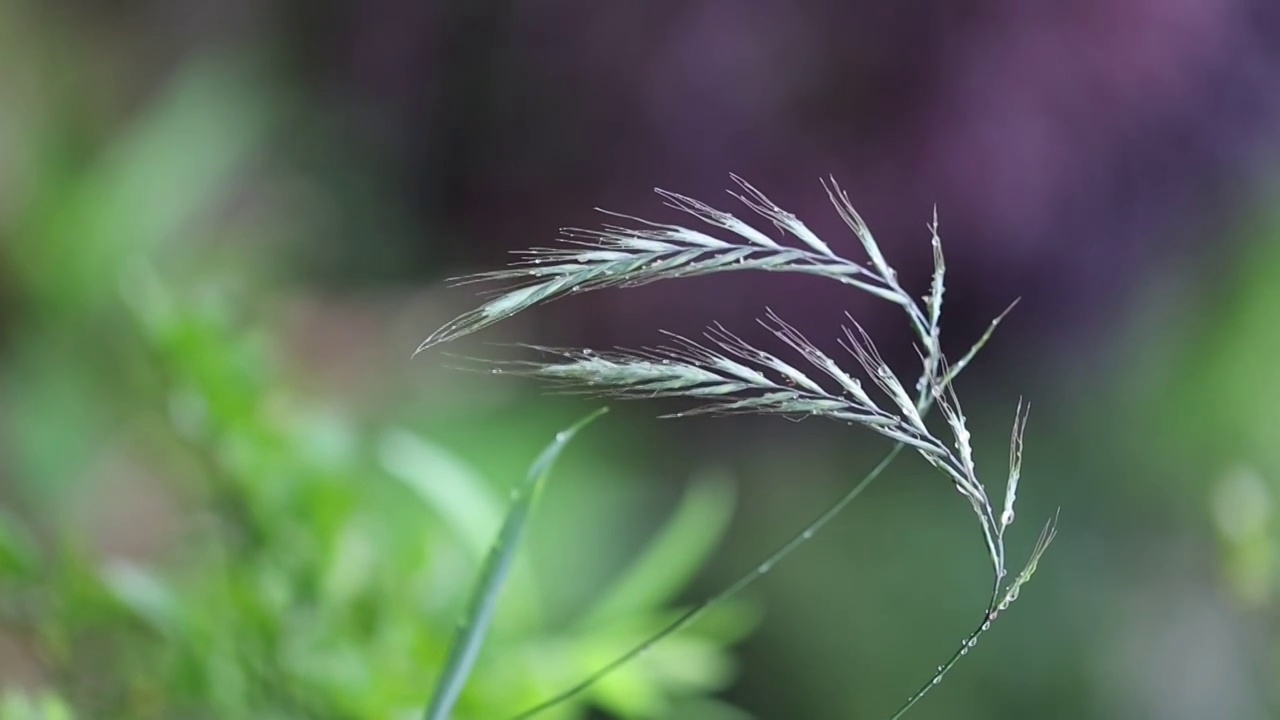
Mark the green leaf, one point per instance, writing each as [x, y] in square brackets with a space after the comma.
[17, 706]
[674, 554]
[144, 594]
[466, 644]
[445, 483]
[147, 186]
[18, 556]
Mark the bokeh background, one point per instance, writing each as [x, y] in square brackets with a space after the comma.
[228, 491]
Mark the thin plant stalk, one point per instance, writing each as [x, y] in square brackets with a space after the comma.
[998, 603]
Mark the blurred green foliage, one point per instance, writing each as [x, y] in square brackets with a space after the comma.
[195, 522]
[17, 706]
[189, 534]
[1220, 406]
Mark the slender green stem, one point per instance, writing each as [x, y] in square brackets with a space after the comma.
[966, 645]
[1000, 601]
[751, 576]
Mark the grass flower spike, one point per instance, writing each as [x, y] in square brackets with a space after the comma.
[720, 373]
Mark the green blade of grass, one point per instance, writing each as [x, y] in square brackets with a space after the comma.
[484, 595]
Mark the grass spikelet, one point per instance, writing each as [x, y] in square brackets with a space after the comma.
[720, 373]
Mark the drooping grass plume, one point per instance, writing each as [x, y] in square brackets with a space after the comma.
[617, 256]
[484, 595]
[723, 374]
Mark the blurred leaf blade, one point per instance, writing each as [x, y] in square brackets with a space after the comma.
[144, 594]
[466, 644]
[17, 706]
[171, 164]
[18, 555]
[445, 483]
[674, 554]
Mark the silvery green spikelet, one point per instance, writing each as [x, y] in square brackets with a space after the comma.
[721, 373]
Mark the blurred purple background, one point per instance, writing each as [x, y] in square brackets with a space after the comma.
[1071, 149]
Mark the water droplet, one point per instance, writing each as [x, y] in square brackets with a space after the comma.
[807, 534]
[973, 642]
[562, 436]
[764, 568]
[937, 680]
[964, 651]
[986, 626]
[496, 371]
